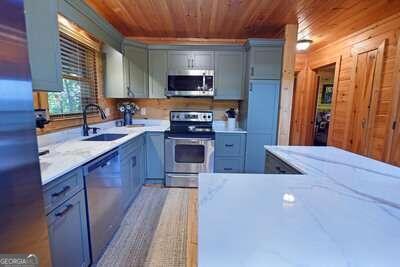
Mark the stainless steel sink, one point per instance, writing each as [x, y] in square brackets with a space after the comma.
[105, 137]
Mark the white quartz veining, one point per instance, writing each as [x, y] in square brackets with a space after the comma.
[346, 212]
[221, 127]
[72, 153]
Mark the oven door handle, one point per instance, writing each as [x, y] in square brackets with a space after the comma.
[190, 139]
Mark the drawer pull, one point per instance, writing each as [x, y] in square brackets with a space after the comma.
[62, 192]
[228, 145]
[228, 169]
[64, 211]
[279, 169]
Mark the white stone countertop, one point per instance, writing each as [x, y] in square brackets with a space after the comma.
[221, 127]
[70, 154]
[346, 212]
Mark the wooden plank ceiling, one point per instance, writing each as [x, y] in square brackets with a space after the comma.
[320, 20]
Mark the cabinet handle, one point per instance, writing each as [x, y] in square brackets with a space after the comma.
[228, 145]
[252, 71]
[251, 87]
[228, 169]
[62, 192]
[188, 62]
[192, 63]
[134, 162]
[64, 211]
[130, 93]
[279, 169]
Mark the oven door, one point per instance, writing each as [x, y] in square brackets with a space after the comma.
[190, 83]
[189, 155]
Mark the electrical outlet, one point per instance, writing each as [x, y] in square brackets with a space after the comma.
[107, 111]
[143, 111]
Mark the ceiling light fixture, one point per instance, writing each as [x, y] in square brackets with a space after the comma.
[303, 45]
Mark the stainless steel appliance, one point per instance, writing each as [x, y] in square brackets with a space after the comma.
[104, 199]
[190, 83]
[23, 225]
[189, 147]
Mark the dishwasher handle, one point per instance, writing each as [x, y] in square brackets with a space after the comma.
[102, 162]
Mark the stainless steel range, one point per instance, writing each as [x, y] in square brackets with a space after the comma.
[189, 147]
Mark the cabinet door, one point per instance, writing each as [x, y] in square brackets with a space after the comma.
[255, 151]
[126, 181]
[262, 116]
[138, 71]
[179, 60]
[136, 177]
[157, 73]
[44, 44]
[115, 74]
[265, 62]
[203, 60]
[155, 155]
[68, 233]
[229, 75]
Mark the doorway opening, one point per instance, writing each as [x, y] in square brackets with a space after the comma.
[323, 106]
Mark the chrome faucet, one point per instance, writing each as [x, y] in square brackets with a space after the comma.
[85, 126]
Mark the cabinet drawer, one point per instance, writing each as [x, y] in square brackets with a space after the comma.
[229, 165]
[63, 188]
[229, 144]
[274, 165]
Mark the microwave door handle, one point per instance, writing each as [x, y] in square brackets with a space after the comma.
[204, 81]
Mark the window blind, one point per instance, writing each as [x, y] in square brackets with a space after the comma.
[78, 64]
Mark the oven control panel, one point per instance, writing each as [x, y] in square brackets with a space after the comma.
[191, 116]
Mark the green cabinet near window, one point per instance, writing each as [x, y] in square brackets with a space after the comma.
[229, 75]
[155, 157]
[229, 152]
[136, 71]
[114, 85]
[44, 45]
[157, 73]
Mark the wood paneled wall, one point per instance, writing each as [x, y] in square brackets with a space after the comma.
[342, 53]
[160, 108]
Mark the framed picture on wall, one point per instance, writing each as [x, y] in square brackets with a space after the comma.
[326, 97]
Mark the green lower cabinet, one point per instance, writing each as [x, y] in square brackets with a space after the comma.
[155, 156]
[229, 165]
[132, 169]
[229, 152]
[68, 233]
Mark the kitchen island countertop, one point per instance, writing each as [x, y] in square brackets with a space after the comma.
[344, 211]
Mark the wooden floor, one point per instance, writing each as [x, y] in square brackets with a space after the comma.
[159, 229]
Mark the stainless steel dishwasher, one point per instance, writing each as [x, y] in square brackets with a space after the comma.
[104, 198]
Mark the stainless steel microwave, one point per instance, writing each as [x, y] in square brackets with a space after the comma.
[190, 83]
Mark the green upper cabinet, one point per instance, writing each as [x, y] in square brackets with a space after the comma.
[203, 60]
[229, 75]
[157, 73]
[265, 63]
[136, 68]
[190, 60]
[114, 73]
[44, 45]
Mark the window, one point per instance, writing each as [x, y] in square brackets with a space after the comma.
[78, 62]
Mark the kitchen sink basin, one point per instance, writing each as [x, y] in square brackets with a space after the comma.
[105, 137]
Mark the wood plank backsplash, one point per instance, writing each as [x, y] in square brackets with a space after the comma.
[160, 108]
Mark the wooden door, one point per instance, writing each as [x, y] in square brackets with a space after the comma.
[395, 148]
[366, 83]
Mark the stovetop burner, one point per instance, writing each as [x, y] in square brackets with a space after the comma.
[191, 122]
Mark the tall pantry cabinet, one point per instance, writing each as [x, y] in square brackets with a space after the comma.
[260, 107]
